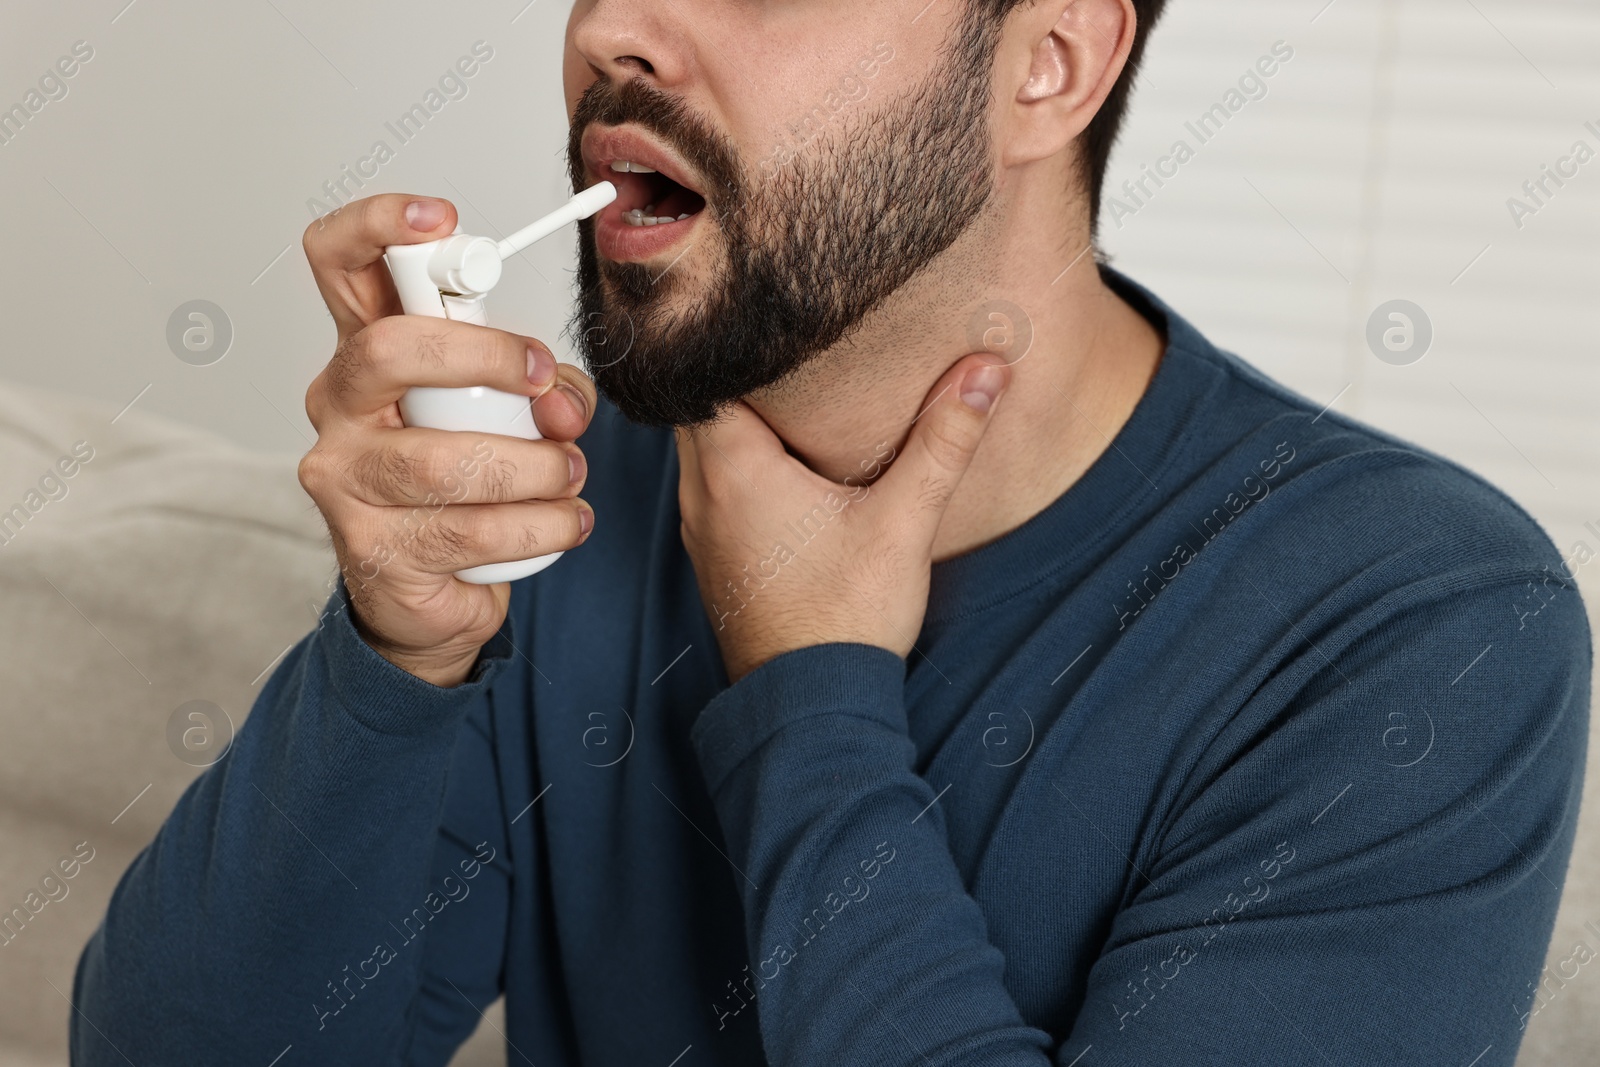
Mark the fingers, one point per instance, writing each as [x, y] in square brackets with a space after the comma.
[563, 413]
[740, 451]
[688, 455]
[415, 466]
[372, 368]
[455, 537]
[345, 250]
[738, 429]
[739, 446]
[945, 437]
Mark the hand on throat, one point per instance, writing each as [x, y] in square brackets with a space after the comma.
[1088, 360]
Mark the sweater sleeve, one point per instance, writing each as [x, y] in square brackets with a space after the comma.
[809, 764]
[1370, 872]
[285, 902]
[1366, 871]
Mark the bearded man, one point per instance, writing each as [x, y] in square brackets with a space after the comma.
[958, 660]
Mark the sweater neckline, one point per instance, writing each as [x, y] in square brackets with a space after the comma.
[1053, 543]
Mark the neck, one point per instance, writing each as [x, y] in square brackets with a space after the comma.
[1090, 359]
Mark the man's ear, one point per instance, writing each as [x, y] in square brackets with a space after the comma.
[1067, 56]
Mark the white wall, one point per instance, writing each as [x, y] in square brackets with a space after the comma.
[1378, 167]
[179, 165]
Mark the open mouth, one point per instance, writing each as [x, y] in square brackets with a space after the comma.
[658, 206]
[646, 197]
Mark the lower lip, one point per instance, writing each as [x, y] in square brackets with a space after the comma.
[626, 243]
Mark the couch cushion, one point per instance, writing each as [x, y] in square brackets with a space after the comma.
[169, 566]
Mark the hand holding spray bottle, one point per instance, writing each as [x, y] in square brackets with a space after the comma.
[448, 279]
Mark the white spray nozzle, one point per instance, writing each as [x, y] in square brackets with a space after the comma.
[463, 267]
[581, 206]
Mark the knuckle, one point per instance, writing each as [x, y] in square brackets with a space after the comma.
[360, 553]
[947, 444]
[447, 544]
[340, 374]
[432, 348]
[497, 481]
[314, 402]
[720, 485]
[365, 555]
[312, 472]
[369, 214]
[552, 530]
[491, 355]
[531, 540]
[451, 476]
[432, 472]
[377, 343]
[391, 473]
[316, 234]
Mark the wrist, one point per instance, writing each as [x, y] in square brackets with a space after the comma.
[445, 675]
[445, 667]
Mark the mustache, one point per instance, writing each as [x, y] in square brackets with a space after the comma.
[638, 102]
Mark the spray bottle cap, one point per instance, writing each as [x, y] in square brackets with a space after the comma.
[467, 265]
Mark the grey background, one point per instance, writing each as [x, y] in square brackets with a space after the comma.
[179, 165]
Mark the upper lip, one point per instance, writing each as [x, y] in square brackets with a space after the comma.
[604, 145]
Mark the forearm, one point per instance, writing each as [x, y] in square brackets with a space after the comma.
[865, 945]
[249, 924]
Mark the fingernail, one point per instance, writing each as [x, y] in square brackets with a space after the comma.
[577, 467]
[541, 367]
[585, 521]
[576, 397]
[424, 215]
[982, 386]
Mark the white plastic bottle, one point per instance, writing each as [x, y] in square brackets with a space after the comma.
[448, 279]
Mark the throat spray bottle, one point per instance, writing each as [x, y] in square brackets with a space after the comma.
[448, 279]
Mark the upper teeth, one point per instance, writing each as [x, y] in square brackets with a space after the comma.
[622, 166]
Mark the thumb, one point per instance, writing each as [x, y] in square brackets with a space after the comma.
[945, 437]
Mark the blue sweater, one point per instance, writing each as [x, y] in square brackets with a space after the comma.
[1261, 745]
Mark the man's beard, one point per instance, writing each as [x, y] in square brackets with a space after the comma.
[811, 248]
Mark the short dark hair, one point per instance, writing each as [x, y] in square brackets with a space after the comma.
[1101, 133]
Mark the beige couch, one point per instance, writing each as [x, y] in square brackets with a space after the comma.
[177, 567]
